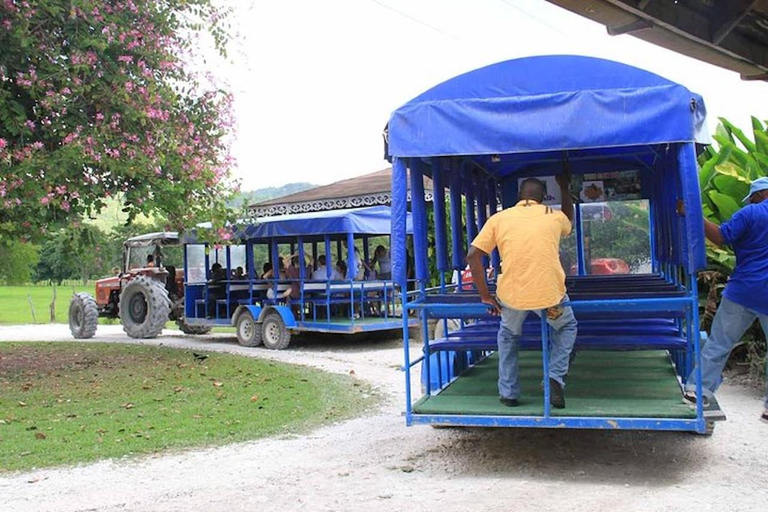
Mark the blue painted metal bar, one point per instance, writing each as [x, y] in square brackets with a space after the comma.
[697, 346]
[329, 263]
[302, 275]
[493, 207]
[419, 216]
[351, 257]
[581, 256]
[469, 197]
[276, 265]
[600, 423]
[398, 254]
[438, 203]
[457, 241]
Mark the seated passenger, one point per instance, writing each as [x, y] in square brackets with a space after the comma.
[321, 272]
[239, 274]
[266, 271]
[217, 288]
[293, 273]
[381, 256]
[340, 272]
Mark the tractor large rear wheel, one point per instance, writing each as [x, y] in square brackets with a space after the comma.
[274, 334]
[83, 316]
[144, 307]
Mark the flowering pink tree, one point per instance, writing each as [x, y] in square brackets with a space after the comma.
[96, 102]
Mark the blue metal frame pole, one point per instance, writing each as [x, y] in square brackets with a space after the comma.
[457, 238]
[399, 275]
[581, 257]
[302, 276]
[545, 359]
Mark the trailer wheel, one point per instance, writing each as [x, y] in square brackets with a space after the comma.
[192, 329]
[144, 307]
[274, 334]
[83, 316]
[248, 331]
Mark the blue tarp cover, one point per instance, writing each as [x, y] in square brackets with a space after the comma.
[373, 220]
[546, 103]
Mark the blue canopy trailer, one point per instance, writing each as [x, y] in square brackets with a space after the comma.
[476, 135]
[268, 309]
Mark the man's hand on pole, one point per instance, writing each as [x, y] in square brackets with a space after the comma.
[475, 260]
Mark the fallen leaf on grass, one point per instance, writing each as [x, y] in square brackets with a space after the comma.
[22, 404]
[254, 398]
[178, 389]
[127, 405]
[40, 435]
[217, 384]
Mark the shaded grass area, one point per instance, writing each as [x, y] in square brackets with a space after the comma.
[66, 403]
[15, 303]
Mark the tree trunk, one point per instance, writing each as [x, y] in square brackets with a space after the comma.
[53, 306]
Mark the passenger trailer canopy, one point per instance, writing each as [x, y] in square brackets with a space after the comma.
[540, 104]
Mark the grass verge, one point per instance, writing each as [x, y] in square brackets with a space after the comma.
[67, 403]
[15, 303]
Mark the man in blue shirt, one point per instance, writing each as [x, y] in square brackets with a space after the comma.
[746, 294]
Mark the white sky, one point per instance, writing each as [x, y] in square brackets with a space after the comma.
[315, 81]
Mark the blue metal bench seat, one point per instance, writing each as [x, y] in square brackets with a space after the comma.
[583, 342]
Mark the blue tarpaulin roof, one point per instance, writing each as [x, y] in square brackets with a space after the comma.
[546, 103]
[373, 220]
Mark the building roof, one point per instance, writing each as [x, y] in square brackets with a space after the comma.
[370, 189]
[730, 34]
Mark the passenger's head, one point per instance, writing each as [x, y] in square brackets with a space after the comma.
[215, 267]
[321, 260]
[295, 260]
[531, 188]
[341, 267]
[380, 250]
[266, 268]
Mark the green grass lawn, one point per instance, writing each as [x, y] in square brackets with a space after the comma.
[15, 308]
[65, 403]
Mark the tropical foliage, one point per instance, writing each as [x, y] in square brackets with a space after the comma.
[724, 177]
[97, 100]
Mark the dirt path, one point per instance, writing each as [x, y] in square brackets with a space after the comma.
[376, 463]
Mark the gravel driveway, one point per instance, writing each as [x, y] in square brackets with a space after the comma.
[376, 463]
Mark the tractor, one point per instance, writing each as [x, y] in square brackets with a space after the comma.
[144, 294]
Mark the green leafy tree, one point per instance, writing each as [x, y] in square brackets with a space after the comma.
[74, 252]
[17, 261]
[97, 101]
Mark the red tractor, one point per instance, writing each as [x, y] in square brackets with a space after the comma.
[145, 294]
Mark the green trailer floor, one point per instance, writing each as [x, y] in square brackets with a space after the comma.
[604, 384]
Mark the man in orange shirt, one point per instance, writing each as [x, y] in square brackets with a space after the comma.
[528, 239]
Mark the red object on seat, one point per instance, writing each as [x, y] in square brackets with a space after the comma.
[605, 266]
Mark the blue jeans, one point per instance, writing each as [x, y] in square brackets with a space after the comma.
[729, 325]
[509, 344]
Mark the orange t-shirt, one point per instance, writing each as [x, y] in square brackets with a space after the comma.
[528, 238]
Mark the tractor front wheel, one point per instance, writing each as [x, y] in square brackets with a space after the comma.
[83, 316]
[144, 307]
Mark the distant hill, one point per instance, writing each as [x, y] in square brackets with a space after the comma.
[263, 194]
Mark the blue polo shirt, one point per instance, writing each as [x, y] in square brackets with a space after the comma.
[747, 233]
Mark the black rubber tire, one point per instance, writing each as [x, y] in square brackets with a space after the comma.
[248, 331]
[274, 334]
[83, 316]
[144, 307]
[192, 329]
